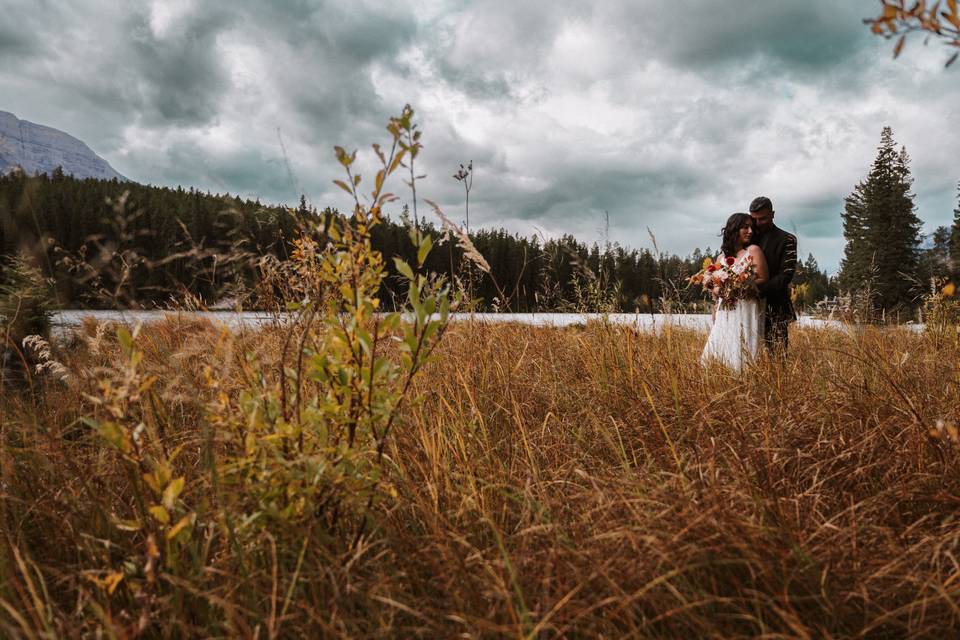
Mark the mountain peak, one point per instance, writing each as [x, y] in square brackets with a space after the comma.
[40, 149]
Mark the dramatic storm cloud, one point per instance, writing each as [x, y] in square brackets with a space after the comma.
[662, 115]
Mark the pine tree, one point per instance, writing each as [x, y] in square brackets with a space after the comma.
[303, 211]
[955, 238]
[818, 283]
[882, 229]
[898, 247]
[854, 266]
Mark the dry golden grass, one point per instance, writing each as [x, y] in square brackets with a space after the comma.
[585, 482]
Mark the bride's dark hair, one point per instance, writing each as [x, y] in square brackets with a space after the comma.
[730, 232]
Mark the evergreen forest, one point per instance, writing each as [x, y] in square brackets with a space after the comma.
[112, 244]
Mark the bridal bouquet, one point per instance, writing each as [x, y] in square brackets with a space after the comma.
[728, 281]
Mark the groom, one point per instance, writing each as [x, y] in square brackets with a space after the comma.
[780, 250]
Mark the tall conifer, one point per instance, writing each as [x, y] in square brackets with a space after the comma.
[882, 229]
[955, 238]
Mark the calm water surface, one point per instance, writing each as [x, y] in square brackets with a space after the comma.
[65, 321]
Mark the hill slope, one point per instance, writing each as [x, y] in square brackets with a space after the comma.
[40, 149]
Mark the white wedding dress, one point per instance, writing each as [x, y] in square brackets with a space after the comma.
[737, 334]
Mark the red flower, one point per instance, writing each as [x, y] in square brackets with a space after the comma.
[730, 260]
[712, 268]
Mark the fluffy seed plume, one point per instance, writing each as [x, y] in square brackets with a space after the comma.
[47, 364]
[447, 228]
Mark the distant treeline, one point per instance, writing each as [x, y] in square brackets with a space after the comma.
[156, 246]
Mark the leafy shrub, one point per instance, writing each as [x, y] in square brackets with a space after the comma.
[296, 454]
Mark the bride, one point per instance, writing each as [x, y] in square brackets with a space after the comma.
[737, 333]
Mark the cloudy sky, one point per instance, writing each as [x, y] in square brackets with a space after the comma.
[665, 114]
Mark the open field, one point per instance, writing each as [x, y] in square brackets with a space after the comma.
[548, 482]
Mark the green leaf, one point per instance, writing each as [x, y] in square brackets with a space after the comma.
[403, 268]
[126, 340]
[431, 330]
[444, 308]
[114, 435]
[409, 340]
[390, 322]
[413, 294]
[380, 365]
[365, 339]
[421, 311]
[424, 250]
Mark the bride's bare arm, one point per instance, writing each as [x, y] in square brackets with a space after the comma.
[763, 273]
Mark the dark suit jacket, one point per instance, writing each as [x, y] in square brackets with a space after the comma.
[780, 250]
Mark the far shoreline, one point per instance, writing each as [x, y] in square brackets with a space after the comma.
[64, 321]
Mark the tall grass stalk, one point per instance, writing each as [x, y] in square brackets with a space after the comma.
[588, 482]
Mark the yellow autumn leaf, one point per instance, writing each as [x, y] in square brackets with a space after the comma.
[127, 525]
[182, 524]
[950, 290]
[147, 383]
[112, 581]
[152, 550]
[171, 492]
[176, 452]
[152, 482]
[161, 514]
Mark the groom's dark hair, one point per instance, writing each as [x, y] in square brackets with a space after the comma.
[730, 231]
[761, 203]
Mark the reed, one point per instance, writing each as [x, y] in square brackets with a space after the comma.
[582, 482]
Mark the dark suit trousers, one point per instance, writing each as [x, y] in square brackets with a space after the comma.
[776, 332]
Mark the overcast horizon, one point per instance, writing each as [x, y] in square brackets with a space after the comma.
[667, 118]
